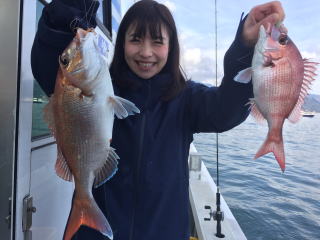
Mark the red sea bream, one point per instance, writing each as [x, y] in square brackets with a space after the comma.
[80, 114]
[281, 79]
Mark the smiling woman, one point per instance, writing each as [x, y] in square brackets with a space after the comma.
[146, 56]
[149, 35]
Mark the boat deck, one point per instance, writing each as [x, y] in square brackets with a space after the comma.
[202, 192]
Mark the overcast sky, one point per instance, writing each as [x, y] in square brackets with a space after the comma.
[195, 23]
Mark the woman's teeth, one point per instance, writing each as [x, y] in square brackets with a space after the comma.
[146, 65]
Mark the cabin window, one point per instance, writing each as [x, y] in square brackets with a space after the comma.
[104, 17]
[39, 127]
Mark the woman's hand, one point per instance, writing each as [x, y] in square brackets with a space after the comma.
[67, 15]
[264, 14]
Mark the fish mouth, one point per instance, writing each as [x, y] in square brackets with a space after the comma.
[76, 71]
[266, 43]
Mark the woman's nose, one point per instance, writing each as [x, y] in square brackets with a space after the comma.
[146, 50]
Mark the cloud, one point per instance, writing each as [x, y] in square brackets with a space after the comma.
[309, 55]
[192, 56]
[200, 66]
[198, 56]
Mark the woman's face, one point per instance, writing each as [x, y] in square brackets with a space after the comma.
[146, 56]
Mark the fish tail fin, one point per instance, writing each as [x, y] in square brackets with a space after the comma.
[89, 214]
[273, 146]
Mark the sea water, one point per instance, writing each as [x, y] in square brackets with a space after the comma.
[269, 204]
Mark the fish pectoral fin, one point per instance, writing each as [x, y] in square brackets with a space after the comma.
[108, 169]
[244, 76]
[62, 168]
[122, 107]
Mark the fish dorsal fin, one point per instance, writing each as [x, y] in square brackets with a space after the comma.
[62, 168]
[122, 107]
[108, 169]
[255, 113]
[244, 76]
[48, 115]
[308, 78]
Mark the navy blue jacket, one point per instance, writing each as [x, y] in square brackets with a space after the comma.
[147, 199]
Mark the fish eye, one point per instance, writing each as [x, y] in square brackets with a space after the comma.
[64, 60]
[283, 39]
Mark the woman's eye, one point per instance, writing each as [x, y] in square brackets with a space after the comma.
[135, 40]
[283, 40]
[158, 40]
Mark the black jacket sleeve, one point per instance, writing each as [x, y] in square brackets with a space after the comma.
[218, 109]
[56, 28]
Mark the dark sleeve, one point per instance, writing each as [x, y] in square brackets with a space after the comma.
[55, 31]
[218, 109]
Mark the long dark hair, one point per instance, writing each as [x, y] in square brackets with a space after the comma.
[149, 15]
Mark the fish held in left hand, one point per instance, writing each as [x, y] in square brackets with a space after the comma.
[80, 114]
[281, 79]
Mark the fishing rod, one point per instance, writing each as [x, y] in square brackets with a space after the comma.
[217, 215]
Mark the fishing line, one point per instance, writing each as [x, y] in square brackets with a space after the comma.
[75, 22]
[91, 9]
[87, 12]
[216, 73]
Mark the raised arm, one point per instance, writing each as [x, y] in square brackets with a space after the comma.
[55, 31]
[217, 109]
[212, 109]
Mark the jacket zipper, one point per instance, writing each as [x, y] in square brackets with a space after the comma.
[137, 179]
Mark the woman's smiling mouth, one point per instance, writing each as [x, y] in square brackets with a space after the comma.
[145, 65]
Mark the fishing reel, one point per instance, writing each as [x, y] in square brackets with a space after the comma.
[217, 215]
